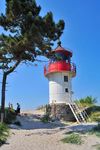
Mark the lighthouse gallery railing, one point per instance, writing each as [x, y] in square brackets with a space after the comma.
[60, 66]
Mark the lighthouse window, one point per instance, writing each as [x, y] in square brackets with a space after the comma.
[60, 56]
[66, 90]
[65, 78]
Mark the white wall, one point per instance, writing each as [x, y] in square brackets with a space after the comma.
[57, 87]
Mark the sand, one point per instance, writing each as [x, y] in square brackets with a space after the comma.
[35, 135]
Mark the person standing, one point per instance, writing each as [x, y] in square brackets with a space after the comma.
[18, 108]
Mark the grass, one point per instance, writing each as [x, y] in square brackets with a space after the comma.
[4, 130]
[95, 130]
[97, 146]
[4, 133]
[73, 138]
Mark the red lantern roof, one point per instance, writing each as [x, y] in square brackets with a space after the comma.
[63, 50]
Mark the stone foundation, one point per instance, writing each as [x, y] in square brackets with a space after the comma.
[61, 111]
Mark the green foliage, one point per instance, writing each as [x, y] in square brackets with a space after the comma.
[10, 116]
[4, 132]
[48, 110]
[45, 118]
[86, 102]
[94, 113]
[95, 130]
[97, 146]
[30, 34]
[95, 116]
[73, 139]
[93, 109]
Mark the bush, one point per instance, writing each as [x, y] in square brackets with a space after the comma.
[95, 116]
[4, 132]
[96, 130]
[86, 101]
[45, 118]
[92, 109]
[73, 139]
[10, 116]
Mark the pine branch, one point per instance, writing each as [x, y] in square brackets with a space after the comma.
[12, 68]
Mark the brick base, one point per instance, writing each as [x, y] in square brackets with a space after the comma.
[61, 111]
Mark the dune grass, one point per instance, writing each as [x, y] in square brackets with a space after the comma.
[95, 130]
[73, 138]
[4, 130]
[97, 146]
[4, 133]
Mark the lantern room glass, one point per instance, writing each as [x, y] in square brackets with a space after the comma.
[58, 56]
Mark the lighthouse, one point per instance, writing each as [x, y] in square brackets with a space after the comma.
[59, 72]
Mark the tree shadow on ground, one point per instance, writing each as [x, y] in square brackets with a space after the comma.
[29, 122]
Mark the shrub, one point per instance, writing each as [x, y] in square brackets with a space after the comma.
[4, 132]
[95, 116]
[86, 101]
[73, 139]
[93, 109]
[96, 130]
[10, 116]
[45, 118]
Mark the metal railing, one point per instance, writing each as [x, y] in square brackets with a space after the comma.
[68, 67]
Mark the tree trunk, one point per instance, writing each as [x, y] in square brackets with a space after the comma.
[3, 91]
[3, 97]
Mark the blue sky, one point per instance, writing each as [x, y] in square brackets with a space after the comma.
[29, 87]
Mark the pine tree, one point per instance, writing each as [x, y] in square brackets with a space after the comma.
[30, 35]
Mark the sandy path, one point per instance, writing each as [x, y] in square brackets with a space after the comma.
[34, 135]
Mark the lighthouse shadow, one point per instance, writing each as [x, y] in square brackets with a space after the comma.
[31, 122]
